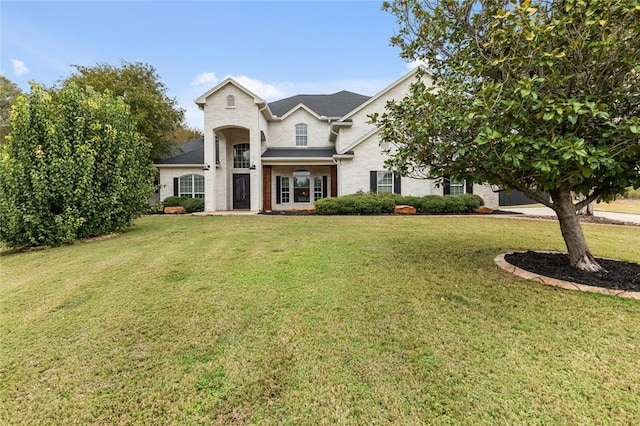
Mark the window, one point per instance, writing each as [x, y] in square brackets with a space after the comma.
[284, 189]
[301, 181]
[384, 182]
[455, 187]
[217, 150]
[241, 156]
[317, 188]
[191, 186]
[301, 134]
[231, 101]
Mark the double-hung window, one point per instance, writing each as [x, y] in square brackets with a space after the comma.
[191, 186]
[301, 134]
[457, 187]
[385, 181]
[285, 194]
[318, 188]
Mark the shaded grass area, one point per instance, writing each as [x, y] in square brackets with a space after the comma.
[313, 320]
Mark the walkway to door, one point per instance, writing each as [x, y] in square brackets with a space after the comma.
[225, 213]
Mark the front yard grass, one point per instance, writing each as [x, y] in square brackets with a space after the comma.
[623, 205]
[314, 320]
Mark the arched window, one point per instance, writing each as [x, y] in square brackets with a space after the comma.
[301, 134]
[231, 101]
[241, 156]
[191, 186]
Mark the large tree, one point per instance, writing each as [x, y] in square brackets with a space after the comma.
[157, 115]
[73, 167]
[539, 96]
[186, 134]
[9, 92]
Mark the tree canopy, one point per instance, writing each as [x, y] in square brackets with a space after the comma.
[9, 92]
[157, 116]
[73, 167]
[539, 96]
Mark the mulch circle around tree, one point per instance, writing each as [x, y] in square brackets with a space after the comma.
[620, 277]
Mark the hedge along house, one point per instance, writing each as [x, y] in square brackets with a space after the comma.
[287, 154]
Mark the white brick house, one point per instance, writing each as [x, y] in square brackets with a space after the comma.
[289, 153]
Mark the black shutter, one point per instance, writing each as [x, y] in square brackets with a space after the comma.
[469, 187]
[324, 187]
[176, 186]
[446, 189]
[277, 189]
[217, 148]
[397, 188]
[373, 181]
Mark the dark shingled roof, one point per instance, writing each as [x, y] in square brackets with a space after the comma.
[336, 105]
[191, 152]
[299, 153]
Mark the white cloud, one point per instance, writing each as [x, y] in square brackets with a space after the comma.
[19, 67]
[208, 78]
[268, 91]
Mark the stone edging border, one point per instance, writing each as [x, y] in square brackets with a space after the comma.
[567, 285]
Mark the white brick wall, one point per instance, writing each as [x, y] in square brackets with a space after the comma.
[283, 133]
[168, 173]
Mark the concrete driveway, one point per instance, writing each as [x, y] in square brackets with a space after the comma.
[537, 210]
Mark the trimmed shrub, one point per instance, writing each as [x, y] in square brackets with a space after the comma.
[190, 204]
[454, 204]
[365, 204]
[472, 201]
[172, 201]
[372, 203]
[193, 205]
[432, 204]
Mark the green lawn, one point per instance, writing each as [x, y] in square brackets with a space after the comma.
[313, 320]
[626, 205]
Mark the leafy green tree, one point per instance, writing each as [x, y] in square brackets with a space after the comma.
[157, 116]
[9, 92]
[186, 134]
[73, 167]
[539, 96]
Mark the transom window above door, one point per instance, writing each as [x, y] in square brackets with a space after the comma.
[301, 134]
[241, 156]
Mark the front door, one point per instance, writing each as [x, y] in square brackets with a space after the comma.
[241, 198]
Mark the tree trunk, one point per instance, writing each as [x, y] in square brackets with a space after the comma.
[580, 256]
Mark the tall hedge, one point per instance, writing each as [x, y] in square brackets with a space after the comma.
[73, 167]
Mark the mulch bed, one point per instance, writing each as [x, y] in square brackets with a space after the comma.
[624, 276]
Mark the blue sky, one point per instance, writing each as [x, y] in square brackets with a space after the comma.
[275, 48]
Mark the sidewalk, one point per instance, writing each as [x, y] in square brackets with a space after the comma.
[537, 210]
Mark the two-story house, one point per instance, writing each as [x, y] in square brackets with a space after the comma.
[287, 154]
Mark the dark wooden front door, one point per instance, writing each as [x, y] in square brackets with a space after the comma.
[241, 193]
